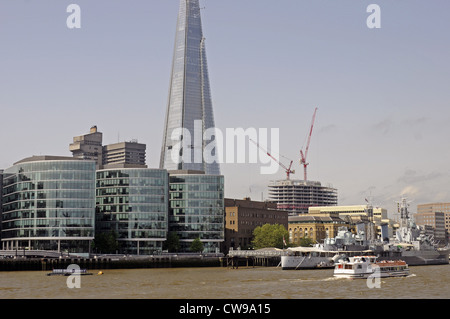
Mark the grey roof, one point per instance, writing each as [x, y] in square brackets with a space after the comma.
[36, 158]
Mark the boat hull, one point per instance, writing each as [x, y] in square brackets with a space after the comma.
[412, 258]
[381, 274]
[420, 258]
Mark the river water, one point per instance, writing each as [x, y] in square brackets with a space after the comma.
[425, 282]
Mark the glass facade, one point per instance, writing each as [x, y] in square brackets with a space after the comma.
[49, 205]
[133, 203]
[189, 97]
[196, 209]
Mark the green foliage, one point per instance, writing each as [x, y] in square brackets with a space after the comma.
[269, 235]
[306, 242]
[106, 242]
[196, 246]
[172, 244]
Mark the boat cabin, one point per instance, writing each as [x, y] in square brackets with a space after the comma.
[356, 262]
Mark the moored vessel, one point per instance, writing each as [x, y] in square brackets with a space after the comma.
[308, 258]
[325, 255]
[69, 272]
[411, 243]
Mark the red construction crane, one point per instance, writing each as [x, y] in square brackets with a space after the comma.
[288, 170]
[304, 155]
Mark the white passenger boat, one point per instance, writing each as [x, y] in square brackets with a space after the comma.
[365, 266]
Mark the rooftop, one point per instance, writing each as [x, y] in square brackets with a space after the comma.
[37, 158]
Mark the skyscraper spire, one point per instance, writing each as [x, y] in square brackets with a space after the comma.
[189, 108]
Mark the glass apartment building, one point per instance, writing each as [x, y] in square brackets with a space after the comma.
[196, 209]
[49, 204]
[133, 203]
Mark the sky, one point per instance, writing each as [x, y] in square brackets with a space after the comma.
[383, 97]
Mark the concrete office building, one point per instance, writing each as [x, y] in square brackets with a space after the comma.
[242, 216]
[88, 146]
[436, 220]
[133, 203]
[296, 196]
[189, 105]
[49, 204]
[196, 208]
[122, 154]
[435, 208]
[131, 153]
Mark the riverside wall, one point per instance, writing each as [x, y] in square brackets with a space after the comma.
[48, 264]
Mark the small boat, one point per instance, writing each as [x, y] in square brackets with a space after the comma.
[69, 272]
[365, 266]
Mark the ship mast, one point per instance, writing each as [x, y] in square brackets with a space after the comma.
[370, 230]
[404, 232]
[403, 211]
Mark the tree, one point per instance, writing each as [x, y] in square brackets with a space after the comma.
[269, 235]
[172, 243]
[196, 245]
[306, 242]
[106, 242]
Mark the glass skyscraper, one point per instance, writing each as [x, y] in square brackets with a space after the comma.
[189, 105]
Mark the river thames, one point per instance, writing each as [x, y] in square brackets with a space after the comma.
[424, 282]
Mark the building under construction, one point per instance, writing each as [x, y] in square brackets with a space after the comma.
[296, 196]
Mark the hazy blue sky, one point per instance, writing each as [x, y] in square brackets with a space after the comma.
[382, 127]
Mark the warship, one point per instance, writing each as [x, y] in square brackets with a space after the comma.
[410, 244]
[326, 255]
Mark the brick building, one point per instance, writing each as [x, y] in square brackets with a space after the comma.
[242, 216]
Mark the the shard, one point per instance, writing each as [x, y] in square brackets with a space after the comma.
[189, 109]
